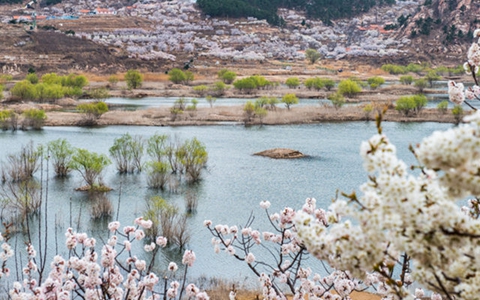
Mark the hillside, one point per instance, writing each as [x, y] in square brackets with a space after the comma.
[158, 36]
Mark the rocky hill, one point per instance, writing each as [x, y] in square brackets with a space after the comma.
[109, 36]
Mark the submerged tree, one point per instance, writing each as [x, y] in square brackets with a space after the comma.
[127, 151]
[90, 165]
[60, 152]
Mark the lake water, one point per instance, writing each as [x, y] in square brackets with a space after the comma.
[234, 182]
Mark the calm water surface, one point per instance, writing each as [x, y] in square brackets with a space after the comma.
[234, 183]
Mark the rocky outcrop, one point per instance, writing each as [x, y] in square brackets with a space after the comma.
[281, 153]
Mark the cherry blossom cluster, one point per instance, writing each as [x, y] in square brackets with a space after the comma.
[402, 215]
[278, 257]
[113, 273]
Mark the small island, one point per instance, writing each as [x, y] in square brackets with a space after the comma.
[281, 153]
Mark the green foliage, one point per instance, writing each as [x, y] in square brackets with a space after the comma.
[218, 88]
[337, 100]
[375, 82]
[74, 92]
[312, 55]
[99, 93]
[34, 118]
[72, 80]
[193, 105]
[176, 76]
[261, 113]
[457, 112]
[6, 118]
[227, 76]
[51, 78]
[49, 91]
[367, 109]
[134, 79]
[189, 77]
[1, 91]
[32, 77]
[113, 79]
[314, 83]
[193, 156]
[408, 104]
[90, 165]
[249, 110]
[432, 76]
[292, 82]
[443, 106]
[272, 102]
[394, 69]
[211, 100]
[246, 84]
[4, 78]
[60, 153]
[157, 174]
[406, 79]
[127, 151]
[328, 84]
[420, 84]
[24, 90]
[200, 90]
[261, 102]
[92, 111]
[349, 88]
[414, 68]
[289, 100]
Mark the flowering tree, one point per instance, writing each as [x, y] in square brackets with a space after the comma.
[403, 215]
[114, 273]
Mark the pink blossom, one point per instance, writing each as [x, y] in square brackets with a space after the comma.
[161, 241]
[149, 248]
[207, 223]
[250, 258]
[188, 258]
[191, 290]
[265, 204]
[139, 235]
[172, 267]
[455, 92]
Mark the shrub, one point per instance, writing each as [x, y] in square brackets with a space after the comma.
[32, 77]
[420, 84]
[375, 82]
[349, 88]
[245, 85]
[60, 152]
[414, 68]
[134, 79]
[33, 118]
[72, 80]
[431, 77]
[406, 79]
[51, 78]
[127, 151]
[176, 76]
[227, 76]
[457, 112]
[90, 165]
[113, 80]
[249, 111]
[189, 77]
[261, 82]
[394, 69]
[6, 116]
[24, 90]
[314, 83]
[337, 100]
[289, 100]
[211, 100]
[328, 84]
[443, 106]
[157, 174]
[93, 111]
[292, 82]
[218, 89]
[1, 91]
[200, 90]
[272, 102]
[405, 105]
[312, 55]
[99, 94]
[367, 109]
[49, 91]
